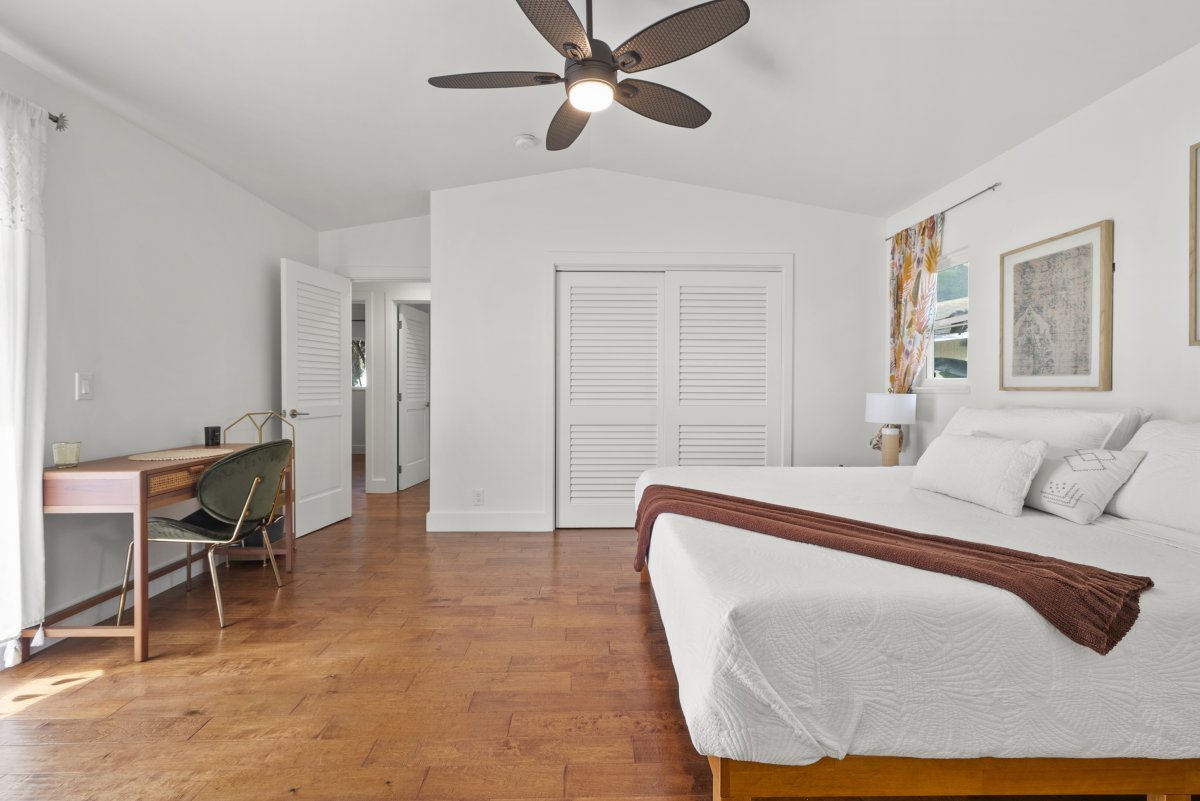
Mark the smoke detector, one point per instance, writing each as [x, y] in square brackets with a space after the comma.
[525, 142]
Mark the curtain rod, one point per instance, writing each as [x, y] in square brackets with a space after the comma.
[991, 188]
[60, 121]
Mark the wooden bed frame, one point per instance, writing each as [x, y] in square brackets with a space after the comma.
[857, 776]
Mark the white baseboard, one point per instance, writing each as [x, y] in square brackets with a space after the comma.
[489, 521]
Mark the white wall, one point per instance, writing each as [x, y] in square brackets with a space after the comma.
[492, 334]
[1124, 158]
[163, 280]
[395, 250]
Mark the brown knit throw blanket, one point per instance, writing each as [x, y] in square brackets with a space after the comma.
[1093, 607]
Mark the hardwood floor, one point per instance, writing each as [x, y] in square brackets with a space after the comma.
[392, 664]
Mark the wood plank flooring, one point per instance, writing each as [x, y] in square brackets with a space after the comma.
[393, 664]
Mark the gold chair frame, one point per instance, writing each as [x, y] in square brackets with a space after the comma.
[212, 549]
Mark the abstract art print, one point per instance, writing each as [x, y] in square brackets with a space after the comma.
[1056, 312]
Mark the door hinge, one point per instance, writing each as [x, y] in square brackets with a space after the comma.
[399, 396]
[399, 469]
[399, 324]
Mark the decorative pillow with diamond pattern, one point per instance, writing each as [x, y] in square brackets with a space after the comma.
[1077, 484]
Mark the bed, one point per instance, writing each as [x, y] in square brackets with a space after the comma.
[805, 671]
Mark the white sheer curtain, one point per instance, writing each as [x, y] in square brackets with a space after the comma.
[23, 128]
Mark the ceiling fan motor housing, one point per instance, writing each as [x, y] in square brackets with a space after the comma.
[599, 67]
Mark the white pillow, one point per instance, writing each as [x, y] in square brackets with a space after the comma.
[1132, 419]
[1166, 487]
[988, 471]
[1060, 428]
[1078, 484]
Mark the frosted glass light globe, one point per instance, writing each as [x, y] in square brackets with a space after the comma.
[590, 95]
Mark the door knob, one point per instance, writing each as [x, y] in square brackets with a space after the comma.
[294, 413]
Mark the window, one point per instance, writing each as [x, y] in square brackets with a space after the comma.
[358, 363]
[946, 364]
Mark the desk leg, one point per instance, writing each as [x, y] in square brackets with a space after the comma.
[141, 584]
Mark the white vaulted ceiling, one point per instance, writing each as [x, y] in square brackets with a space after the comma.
[321, 107]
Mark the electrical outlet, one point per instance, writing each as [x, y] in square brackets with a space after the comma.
[477, 497]
[83, 386]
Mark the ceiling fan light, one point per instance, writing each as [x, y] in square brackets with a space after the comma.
[591, 95]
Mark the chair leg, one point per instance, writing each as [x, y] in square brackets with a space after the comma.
[187, 568]
[212, 569]
[271, 555]
[125, 581]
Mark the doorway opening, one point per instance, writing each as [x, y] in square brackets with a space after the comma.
[359, 381]
[383, 435]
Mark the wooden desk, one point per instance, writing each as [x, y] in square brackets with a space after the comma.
[121, 485]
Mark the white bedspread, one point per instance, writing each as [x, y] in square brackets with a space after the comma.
[787, 652]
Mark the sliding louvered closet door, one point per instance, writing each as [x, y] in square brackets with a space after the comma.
[659, 369]
[722, 404]
[610, 381]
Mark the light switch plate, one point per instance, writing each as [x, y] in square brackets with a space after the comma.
[83, 386]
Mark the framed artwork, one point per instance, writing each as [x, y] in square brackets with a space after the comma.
[1056, 312]
[1194, 225]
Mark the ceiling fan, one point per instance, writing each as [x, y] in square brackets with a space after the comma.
[591, 68]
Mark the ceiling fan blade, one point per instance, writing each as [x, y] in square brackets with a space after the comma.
[558, 22]
[661, 103]
[494, 80]
[566, 126]
[682, 34]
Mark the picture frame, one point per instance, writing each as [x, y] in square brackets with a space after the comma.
[1193, 256]
[1056, 312]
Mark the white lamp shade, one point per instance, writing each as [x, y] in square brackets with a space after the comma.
[885, 407]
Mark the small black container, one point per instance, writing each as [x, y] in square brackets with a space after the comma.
[212, 435]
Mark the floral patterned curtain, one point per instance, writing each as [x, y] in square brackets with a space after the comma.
[912, 293]
[912, 285]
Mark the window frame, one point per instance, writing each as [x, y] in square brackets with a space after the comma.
[928, 382]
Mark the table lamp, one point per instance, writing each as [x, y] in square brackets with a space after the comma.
[892, 411]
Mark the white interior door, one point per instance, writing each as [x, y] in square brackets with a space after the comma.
[412, 407]
[315, 344]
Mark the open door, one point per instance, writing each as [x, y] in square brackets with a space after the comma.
[315, 359]
[412, 408]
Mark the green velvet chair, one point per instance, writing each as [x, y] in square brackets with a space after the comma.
[240, 495]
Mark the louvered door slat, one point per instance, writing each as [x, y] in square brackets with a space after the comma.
[723, 400]
[722, 339]
[319, 367]
[416, 374]
[727, 445]
[613, 331]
